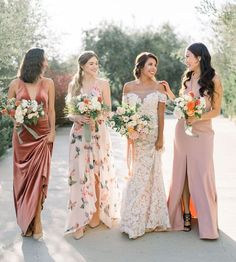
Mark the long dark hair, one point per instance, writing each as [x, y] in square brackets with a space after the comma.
[207, 71]
[32, 65]
[140, 62]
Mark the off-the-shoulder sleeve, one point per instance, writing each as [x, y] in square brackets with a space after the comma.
[162, 98]
[124, 98]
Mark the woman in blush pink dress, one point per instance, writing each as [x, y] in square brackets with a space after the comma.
[193, 190]
[32, 157]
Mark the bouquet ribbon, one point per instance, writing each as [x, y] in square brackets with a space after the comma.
[87, 133]
[30, 130]
[130, 155]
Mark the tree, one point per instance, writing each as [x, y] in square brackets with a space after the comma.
[22, 25]
[223, 25]
[118, 47]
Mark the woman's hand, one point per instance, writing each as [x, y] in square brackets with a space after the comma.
[51, 137]
[159, 144]
[168, 91]
[16, 124]
[191, 120]
[80, 119]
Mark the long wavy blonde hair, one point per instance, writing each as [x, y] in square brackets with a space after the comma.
[77, 80]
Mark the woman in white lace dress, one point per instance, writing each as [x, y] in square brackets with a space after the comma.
[144, 207]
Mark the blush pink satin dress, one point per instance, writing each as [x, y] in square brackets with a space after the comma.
[31, 161]
[193, 156]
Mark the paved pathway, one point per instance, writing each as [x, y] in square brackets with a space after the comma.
[104, 245]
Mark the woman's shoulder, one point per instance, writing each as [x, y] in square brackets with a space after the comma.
[47, 80]
[48, 83]
[160, 87]
[15, 81]
[102, 81]
[102, 84]
[217, 82]
[216, 78]
[129, 86]
[15, 84]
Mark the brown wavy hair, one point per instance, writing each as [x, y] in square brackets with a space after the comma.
[32, 65]
[140, 62]
[77, 80]
[207, 71]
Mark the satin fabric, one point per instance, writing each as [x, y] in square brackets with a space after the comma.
[31, 161]
[193, 156]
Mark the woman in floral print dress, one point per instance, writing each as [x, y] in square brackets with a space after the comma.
[92, 182]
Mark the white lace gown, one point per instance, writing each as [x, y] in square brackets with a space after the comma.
[144, 206]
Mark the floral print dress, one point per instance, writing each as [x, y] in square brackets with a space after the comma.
[88, 162]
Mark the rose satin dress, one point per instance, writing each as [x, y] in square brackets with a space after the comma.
[31, 160]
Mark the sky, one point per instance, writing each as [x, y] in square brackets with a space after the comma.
[68, 18]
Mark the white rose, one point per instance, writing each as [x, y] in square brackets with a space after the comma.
[30, 115]
[112, 123]
[126, 119]
[81, 107]
[132, 124]
[120, 111]
[24, 103]
[122, 130]
[178, 113]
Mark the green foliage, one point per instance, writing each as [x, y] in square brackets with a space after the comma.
[61, 75]
[20, 22]
[22, 25]
[6, 126]
[223, 25]
[117, 49]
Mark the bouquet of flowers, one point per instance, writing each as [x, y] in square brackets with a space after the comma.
[90, 105]
[187, 106]
[24, 112]
[128, 122]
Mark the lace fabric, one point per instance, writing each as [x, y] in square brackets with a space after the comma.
[144, 205]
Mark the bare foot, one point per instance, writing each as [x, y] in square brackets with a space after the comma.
[95, 221]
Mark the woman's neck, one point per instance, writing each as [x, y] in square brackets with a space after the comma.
[145, 80]
[196, 73]
[88, 79]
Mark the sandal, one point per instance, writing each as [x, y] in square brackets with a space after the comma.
[78, 234]
[95, 225]
[187, 222]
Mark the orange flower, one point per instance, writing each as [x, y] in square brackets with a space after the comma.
[130, 130]
[197, 102]
[4, 111]
[191, 94]
[100, 99]
[12, 112]
[190, 112]
[86, 101]
[17, 103]
[190, 105]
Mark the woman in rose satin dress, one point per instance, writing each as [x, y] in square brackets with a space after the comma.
[32, 158]
[193, 190]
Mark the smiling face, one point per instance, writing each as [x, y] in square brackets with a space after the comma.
[150, 68]
[191, 61]
[91, 67]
